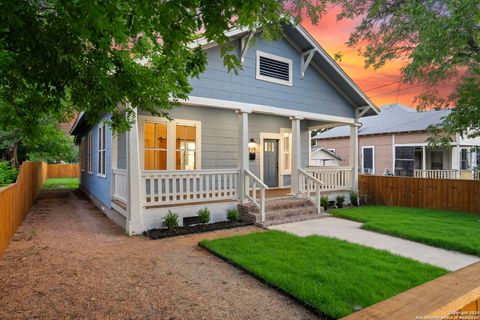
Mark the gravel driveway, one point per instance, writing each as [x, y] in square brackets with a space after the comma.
[68, 261]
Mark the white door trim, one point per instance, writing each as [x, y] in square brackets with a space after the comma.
[273, 136]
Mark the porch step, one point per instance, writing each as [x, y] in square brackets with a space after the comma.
[280, 210]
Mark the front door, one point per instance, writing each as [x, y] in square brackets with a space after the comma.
[270, 162]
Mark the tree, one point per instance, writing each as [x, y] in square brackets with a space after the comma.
[439, 40]
[58, 57]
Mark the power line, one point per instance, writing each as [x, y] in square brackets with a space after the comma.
[382, 86]
[394, 91]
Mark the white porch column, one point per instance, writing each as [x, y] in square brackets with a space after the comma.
[243, 153]
[134, 204]
[354, 155]
[296, 156]
[424, 161]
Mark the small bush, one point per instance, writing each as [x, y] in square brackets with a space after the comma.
[203, 215]
[354, 198]
[8, 174]
[171, 220]
[232, 215]
[340, 201]
[324, 202]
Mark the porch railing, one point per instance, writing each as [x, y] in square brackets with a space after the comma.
[437, 174]
[120, 185]
[173, 187]
[308, 185]
[333, 178]
[476, 174]
[252, 184]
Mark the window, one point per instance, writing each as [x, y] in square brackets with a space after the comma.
[274, 69]
[465, 162]
[332, 150]
[287, 154]
[171, 145]
[368, 164]
[101, 170]
[82, 154]
[404, 161]
[186, 137]
[155, 146]
[90, 152]
[437, 160]
[478, 157]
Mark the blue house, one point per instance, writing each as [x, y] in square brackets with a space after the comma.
[237, 141]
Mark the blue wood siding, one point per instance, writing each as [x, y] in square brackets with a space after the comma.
[311, 94]
[96, 185]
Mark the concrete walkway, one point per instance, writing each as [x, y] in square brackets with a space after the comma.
[350, 231]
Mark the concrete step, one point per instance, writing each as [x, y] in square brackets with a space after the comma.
[285, 213]
[302, 217]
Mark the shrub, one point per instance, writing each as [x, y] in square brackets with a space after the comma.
[340, 200]
[354, 198]
[203, 215]
[324, 202]
[8, 174]
[171, 220]
[232, 215]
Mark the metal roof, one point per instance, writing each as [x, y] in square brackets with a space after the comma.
[392, 118]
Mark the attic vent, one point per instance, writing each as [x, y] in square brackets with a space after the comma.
[274, 68]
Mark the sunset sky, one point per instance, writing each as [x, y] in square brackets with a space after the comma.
[333, 35]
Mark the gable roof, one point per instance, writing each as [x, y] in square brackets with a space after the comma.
[299, 37]
[392, 118]
[316, 149]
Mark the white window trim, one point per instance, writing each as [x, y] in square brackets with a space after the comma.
[171, 137]
[102, 127]
[90, 152]
[282, 152]
[258, 76]
[373, 158]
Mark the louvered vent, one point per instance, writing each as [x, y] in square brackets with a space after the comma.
[274, 69]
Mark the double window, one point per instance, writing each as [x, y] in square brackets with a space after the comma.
[171, 145]
[101, 170]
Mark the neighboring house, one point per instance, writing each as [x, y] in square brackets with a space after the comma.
[324, 157]
[394, 142]
[235, 137]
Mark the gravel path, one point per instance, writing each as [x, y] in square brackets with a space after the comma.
[68, 261]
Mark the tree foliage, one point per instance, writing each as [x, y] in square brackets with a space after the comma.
[439, 41]
[58, 57]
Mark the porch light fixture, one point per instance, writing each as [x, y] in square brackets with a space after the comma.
[252, 149]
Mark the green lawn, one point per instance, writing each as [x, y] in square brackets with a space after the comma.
[445, 229]
[333, 276]
[62, 183]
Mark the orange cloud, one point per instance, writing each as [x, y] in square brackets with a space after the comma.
[383, 86]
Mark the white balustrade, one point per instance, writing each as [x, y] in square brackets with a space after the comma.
[120, 183]
[308, 185]
[173, 187]
[252, 183]
[333, 178]
[437, 174]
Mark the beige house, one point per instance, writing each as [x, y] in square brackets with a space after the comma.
[394, 143]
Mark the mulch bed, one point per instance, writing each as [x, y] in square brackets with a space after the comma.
[155, 234]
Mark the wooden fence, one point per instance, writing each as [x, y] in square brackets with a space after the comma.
[453, 296]
[445, 194]
[17, 199]
[64, 170]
